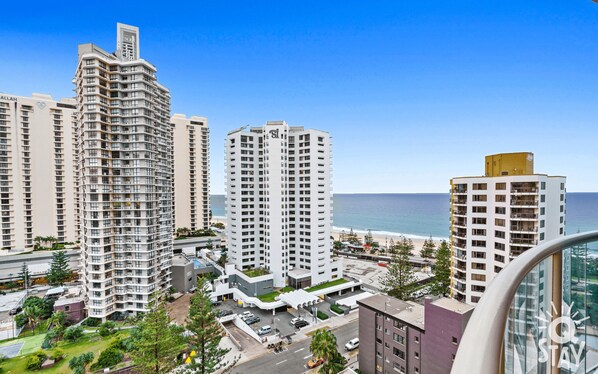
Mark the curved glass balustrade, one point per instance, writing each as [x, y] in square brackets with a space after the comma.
[539, 315]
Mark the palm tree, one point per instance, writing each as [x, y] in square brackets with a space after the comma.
[58, 319]
[33, 314]
[323, 345]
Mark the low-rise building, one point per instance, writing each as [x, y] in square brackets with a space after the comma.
[409, 338]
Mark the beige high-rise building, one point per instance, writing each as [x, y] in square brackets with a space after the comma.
[191, 149]
[498, 216]
[125, 177]
[37, 170]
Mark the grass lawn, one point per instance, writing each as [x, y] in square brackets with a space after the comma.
[269, 297]
[87, 343]
[286, 289]
[333, 283]
[255, 272]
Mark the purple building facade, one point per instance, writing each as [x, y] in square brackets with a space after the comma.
[408, 338]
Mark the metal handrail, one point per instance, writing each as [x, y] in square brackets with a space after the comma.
[480, 347]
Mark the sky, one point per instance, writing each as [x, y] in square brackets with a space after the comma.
[412, 92]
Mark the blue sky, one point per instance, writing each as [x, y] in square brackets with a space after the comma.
[413, 92]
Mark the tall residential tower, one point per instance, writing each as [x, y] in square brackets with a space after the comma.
[37, 170]
[125, 175]
[496, 217]
[279, 203]
[191, 150]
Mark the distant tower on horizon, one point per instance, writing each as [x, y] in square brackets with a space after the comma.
[279, 203]
[498, 216]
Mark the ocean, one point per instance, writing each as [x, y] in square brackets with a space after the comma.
[424, 215]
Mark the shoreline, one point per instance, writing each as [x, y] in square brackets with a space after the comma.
[379, 236]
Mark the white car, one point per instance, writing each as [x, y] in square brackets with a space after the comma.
[352, 344]
[264, 330]
[246, 315]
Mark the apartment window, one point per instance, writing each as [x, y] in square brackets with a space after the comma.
[479, 209]
[455, 340]
[397, 352]
[480, 186]
[500, 198]
[562, 186]
[501, 186]
[398, 338]
[499, 246]
[542, 223]
[478, 243]
[417, 339]
[479, 198]
[416, 354]
[478, 232]
[479, 221]
[542, 211]
[499, 234]
[500, 210]
[543, 185]
[499, 222]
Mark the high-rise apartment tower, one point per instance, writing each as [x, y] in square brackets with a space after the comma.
[496, 217]
[279, 203]
[125, 176]
[37, 170]
[191, 157]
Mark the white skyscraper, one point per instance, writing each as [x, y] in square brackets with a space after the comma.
[125, 166]
[279, 203]
[496, 217]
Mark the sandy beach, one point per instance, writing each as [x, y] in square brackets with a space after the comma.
[382, 238]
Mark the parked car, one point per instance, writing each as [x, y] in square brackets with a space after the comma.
[224, 312]
[296, 319]
[252, 320]
[15, 311]
[300, 324]
[352, 344]
[246, 314]
[264, 330]
[314, 362]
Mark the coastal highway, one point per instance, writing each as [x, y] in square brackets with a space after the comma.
[294, 359]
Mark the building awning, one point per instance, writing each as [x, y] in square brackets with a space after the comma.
[299, 298]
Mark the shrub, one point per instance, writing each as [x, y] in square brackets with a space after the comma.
[35, 361]
[56, 354]
[107, 328]
[337, 309]
[108, 358]
[125, 345]
[20, 320]
[73, 333]
[322, 315]
[78, 363]
[91, 322]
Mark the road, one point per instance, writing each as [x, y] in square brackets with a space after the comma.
[294, 359]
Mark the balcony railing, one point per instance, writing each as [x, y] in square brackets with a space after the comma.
[484, 347]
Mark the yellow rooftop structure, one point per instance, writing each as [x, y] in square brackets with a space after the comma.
[520, 163]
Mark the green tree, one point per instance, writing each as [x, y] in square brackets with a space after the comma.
[405, 246]
[73, 333]
[323, 345]
[79, 363]
[442, 270]
[33, 314]
[593, 288]
[337, 245]
[59, 269]
[428, 248]
[400, 278]
[45, 305]
[109, 358]
[157, 342]
[368, 238]
[206, 333]
[59, 319]
[25, 275]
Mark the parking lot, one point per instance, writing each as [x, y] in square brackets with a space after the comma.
[280, 321]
